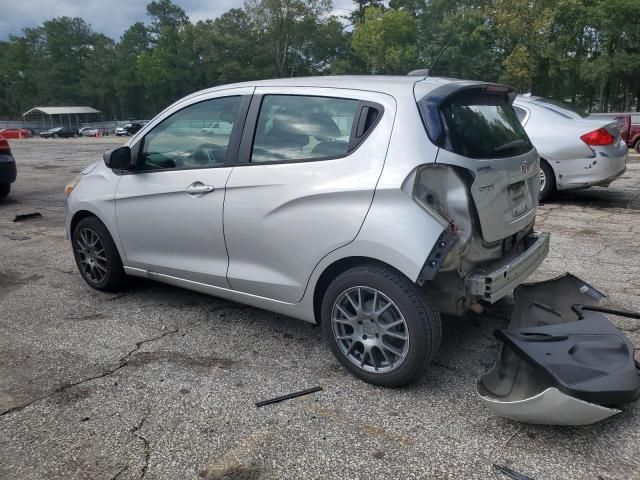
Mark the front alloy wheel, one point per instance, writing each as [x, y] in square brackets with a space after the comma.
[96, 255]
[91, 255]
[380, 325]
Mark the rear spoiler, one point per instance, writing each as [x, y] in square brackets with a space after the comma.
[429, 105]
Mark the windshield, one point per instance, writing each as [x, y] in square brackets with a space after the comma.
[561, 108]
[483, 126]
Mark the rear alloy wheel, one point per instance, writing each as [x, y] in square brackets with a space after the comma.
[637, 147]
[5, 188]
[380, 326]
[547, 180]
[96, 255]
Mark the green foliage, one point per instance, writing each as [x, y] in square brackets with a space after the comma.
[386, 40]
[585, 52]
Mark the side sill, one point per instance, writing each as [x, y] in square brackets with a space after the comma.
[277, 306]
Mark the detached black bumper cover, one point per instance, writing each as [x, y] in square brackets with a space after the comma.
[560, 364]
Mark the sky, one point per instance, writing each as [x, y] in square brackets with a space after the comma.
[111, 17]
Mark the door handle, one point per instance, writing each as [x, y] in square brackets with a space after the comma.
[199, 188]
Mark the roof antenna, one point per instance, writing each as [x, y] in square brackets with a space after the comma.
[426, 72]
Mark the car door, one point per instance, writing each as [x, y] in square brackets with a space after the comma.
[169, 209]
[309, 162]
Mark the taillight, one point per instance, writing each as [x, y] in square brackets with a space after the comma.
[598, 138]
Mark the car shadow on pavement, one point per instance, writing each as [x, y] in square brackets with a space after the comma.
[598, 198]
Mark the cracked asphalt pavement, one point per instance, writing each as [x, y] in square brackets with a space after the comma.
[160, 383]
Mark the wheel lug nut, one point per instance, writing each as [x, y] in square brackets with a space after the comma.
[377, 335]
[359, 322]
[364, 337]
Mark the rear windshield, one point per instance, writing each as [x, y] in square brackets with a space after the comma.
[482, 126]
[561, 108]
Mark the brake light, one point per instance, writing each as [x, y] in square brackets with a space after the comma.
[598, 138]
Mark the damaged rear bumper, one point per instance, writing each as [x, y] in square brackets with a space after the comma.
[560, 363]
[588, 172]
[491, 285]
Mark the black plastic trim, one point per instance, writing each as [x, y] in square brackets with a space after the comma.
[445, 243]
[358, 132]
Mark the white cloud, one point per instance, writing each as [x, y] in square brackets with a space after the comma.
[111, 17]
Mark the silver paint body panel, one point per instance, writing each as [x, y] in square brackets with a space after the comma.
[549, 407]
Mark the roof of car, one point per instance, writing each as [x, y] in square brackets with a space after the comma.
[350, 81]
[392, 84]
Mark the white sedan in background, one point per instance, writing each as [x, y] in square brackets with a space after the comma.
[88, 131]
[575, 152]
[218, 128]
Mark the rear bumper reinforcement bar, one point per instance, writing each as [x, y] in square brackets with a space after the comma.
[492, 285]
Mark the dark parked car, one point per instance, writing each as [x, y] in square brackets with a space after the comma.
[7, 168]
[629, 124]
[128, 129]
[60, 132]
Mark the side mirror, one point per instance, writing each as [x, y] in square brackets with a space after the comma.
[118, 158]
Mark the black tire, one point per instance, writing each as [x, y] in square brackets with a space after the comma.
[5, 188]
[637, 147]
[549, 187]
[113, 277]
[422, 324]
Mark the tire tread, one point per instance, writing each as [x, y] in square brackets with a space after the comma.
[116, 277]
[429, 320]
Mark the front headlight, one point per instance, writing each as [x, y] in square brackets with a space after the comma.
[71, 185]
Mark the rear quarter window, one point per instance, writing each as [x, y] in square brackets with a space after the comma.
[482, 126]
[521, 113]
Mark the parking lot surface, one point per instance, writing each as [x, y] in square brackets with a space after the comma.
[159, 382]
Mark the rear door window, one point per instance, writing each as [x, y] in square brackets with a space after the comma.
[296, 128]
[483, 126]
[635, 118]
[561, 108]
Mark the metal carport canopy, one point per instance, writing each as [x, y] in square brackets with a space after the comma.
[61, 110]
[60, 113]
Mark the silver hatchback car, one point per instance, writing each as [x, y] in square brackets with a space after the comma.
[370, 205]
